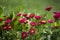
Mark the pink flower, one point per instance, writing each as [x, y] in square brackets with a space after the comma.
[32, 23]
[48, 8]
[56, 15]
[38, 17]
[23, 20]
[32, 31]
[19, 14]
[31, 15]
[50, 21]
[24, 35]
[8, 21]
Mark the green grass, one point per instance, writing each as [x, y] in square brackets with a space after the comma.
[36, 6]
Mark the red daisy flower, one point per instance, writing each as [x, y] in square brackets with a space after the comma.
[38, 17]
[32, 23]
[50, 21]
[42, 22]
[25, 15]
[19, 14]
[32, 31]
[23, 20]
[31, 15]
[4, 27]
[9, 27]
[24, 35]
[48, 8]
[56, 15]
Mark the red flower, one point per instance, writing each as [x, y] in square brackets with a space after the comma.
[48, 8]
[19, 14]
[42, 22]
[24, 35]
[9, 27]
[31, 15]
[23, 20]
[56, 15]
[0, 19]
[25, 15]
[32, 31]
[32, 23]
[8, 21]
[50, 21]
[4, 27]
[38, 17]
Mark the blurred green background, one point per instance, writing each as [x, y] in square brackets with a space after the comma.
[36, 6]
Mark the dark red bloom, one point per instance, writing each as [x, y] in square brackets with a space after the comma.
[48, 8]
[19, 14]
[31, 15]
[4, 27]
[56, 15]
[0, 19]
[23, 20]
[50, 21]
[7, 21]
[24, 35]
[9, 27]
[38, 17]
[32, 31]
[25, 15]
[32, 23]
[42, 22]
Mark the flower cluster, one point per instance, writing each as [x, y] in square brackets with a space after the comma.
[29, 24]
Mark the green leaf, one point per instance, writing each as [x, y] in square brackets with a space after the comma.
[1, 23]
[17, 10]
[1, 10]
[10, 16]
[17, 27]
